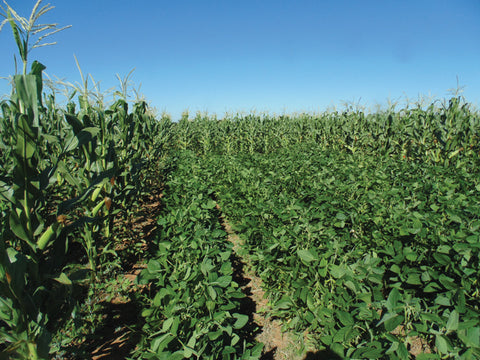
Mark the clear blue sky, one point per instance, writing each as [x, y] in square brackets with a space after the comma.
[275, 56]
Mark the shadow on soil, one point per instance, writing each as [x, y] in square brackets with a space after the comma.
[247, 306]
[115, 339]
[269, 355]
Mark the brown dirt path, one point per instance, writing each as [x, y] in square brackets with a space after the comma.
[278, 345]
[118, 333]
[117, 338]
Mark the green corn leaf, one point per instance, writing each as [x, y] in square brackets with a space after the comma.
[82, 137]
[6, 192]
[17, 269]
[74, 122]
[22, 45]
[47, 236]
[67, 175]
[17, 225]
[29, 89]
[7, 312]
[37, 69]
[26, 139]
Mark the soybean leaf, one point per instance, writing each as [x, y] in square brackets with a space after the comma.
[307, 256]
[441, 343]
[452, 323]
[242, 320]
[470, 337]
[223, 281]
[63, 279]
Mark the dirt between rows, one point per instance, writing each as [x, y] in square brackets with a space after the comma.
[279, 345]
[120, 335]
[118, 338]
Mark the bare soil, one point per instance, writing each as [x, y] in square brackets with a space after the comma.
[278, 345]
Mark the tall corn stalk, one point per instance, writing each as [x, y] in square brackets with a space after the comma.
[22, 284]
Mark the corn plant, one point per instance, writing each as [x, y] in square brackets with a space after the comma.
[25, 245]
[22, 248]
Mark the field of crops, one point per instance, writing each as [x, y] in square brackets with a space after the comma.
[363, 228]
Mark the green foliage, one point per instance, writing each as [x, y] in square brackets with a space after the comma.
[194, 303]
[445, 135]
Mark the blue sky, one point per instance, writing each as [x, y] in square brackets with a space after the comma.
[264, 56]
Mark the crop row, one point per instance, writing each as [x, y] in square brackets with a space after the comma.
[65, 176]
[193, 305]
[441, 134]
